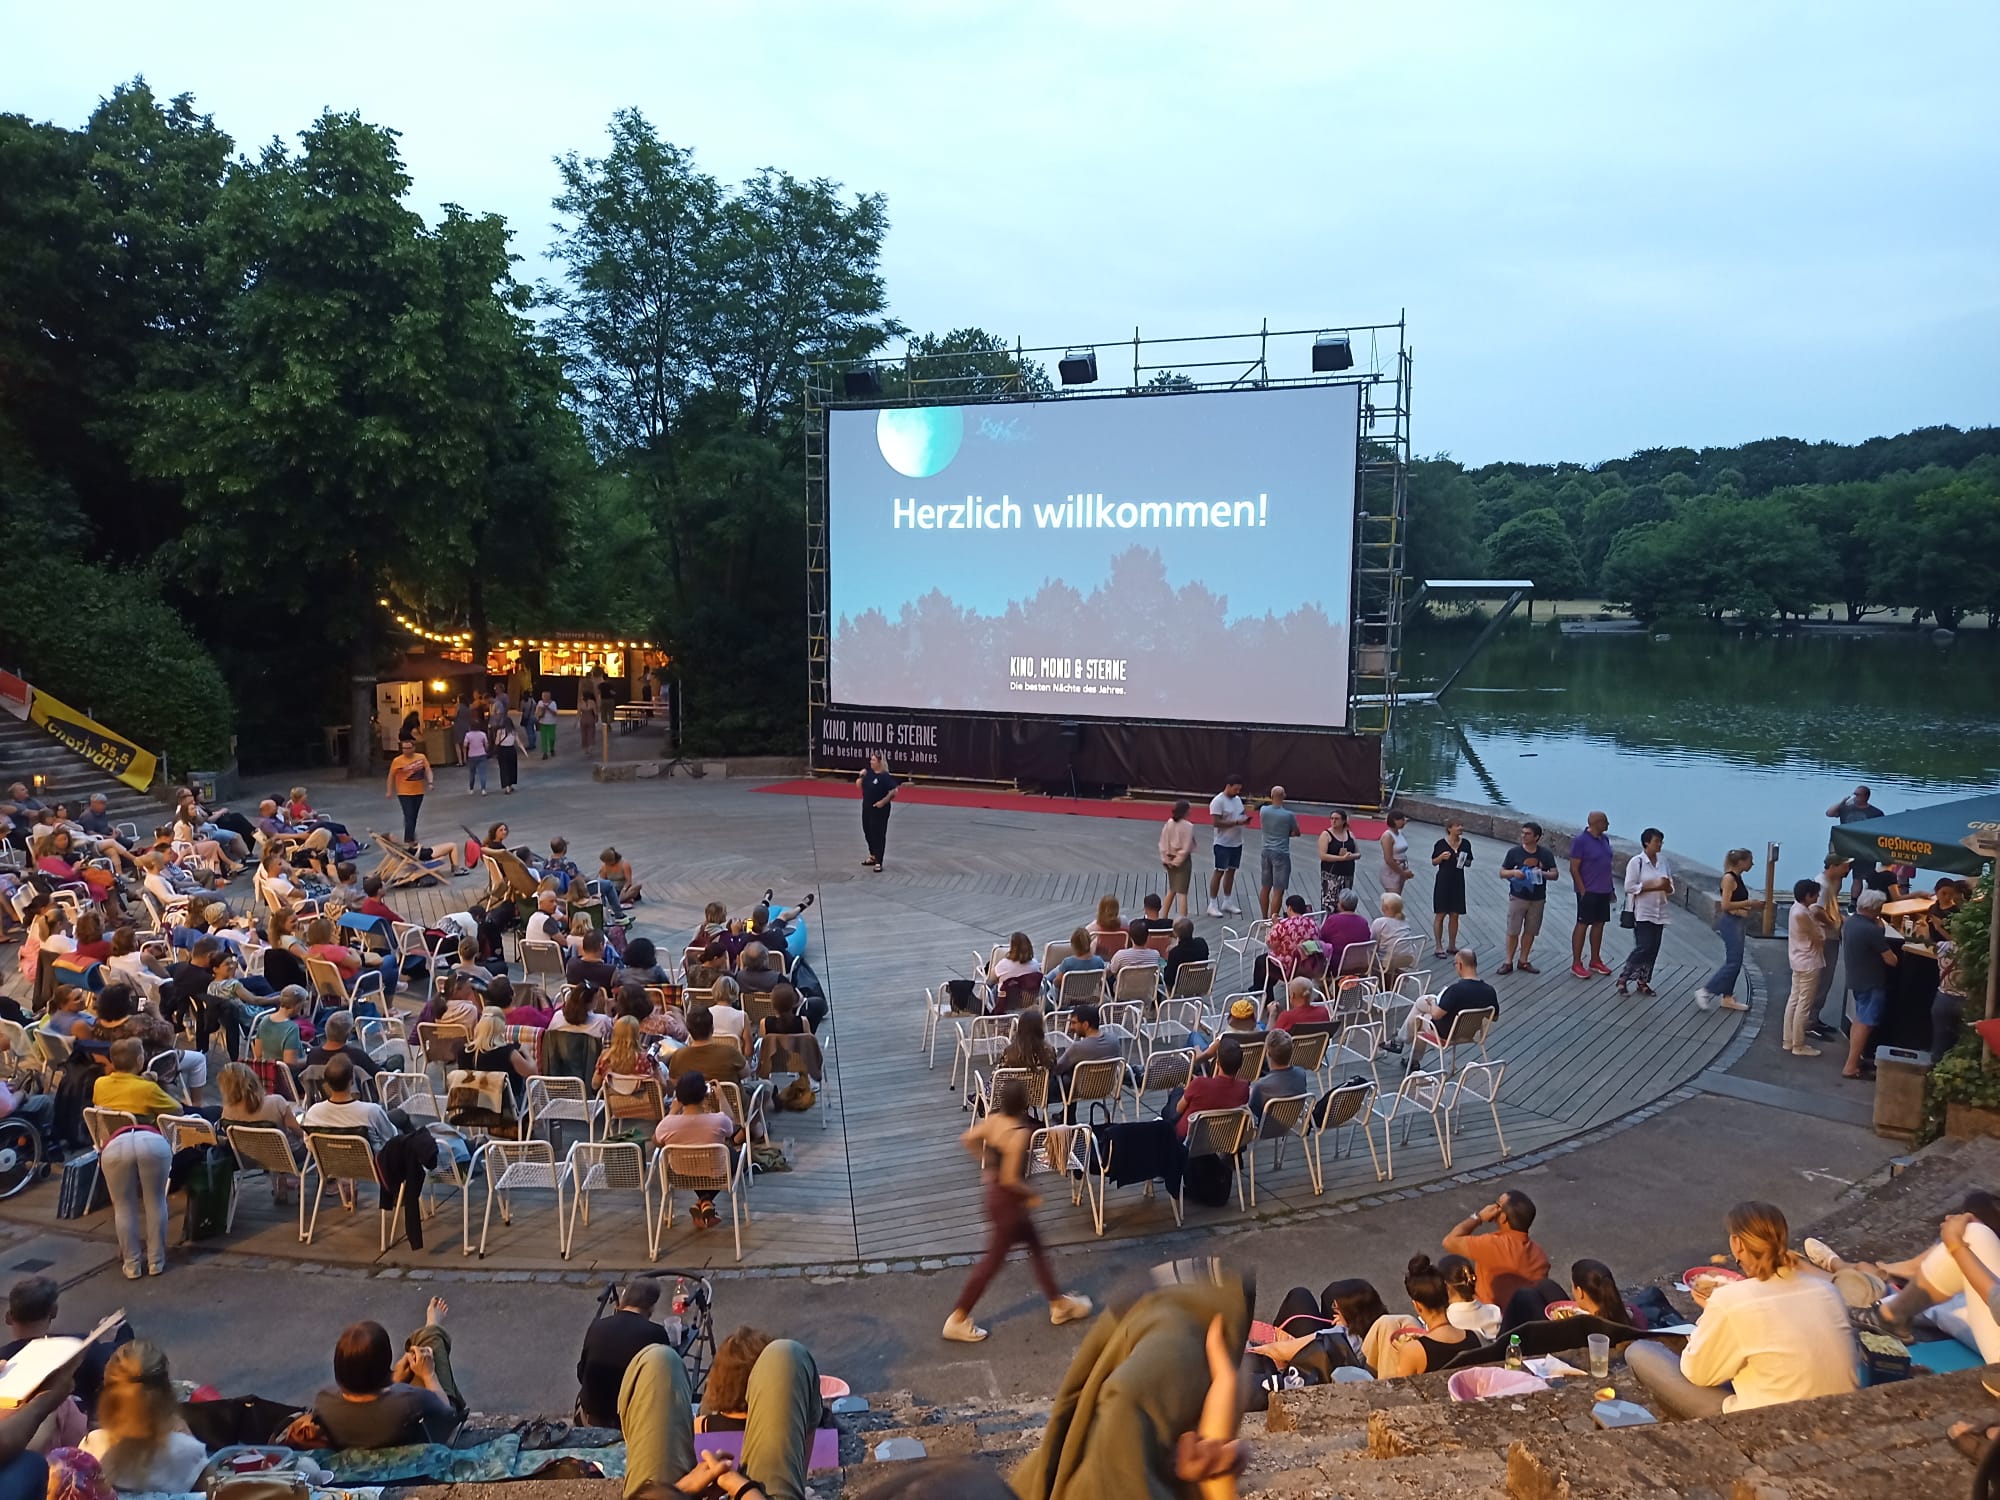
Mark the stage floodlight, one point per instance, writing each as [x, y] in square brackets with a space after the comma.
[1332, 351]
[863, 383]
[1078, 367]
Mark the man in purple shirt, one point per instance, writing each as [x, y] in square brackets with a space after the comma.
[1590, 862]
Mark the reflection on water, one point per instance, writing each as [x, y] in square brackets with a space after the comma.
[1718, 739]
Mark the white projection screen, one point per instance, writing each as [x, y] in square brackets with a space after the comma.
[1178, 556]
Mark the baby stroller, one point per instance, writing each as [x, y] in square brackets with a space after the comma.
[688, 1316]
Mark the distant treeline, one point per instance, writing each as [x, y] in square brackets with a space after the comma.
[1773, 528]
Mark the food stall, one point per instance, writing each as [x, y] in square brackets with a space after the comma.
[563, 663]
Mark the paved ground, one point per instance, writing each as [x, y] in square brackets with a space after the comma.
[1734, 1118]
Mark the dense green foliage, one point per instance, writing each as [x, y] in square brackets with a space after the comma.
[1768, 529]
[245, 397]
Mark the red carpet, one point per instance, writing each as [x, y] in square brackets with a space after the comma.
[1081, 807]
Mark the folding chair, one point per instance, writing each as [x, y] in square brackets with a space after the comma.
[265, 1151]
[609, 1167]
[982, 1041]
[1284, 1117]
[341, 1156]
[1419, 1093]
[400, 868]
[520, 1166]
[550, 1100]
[1401, 958]
[1164, 1072]
[1101, 1085]
[706, 1169]
[1071, 1150]
[1482, 1081]
[1193, 980]
[1215, 1132]
[382, 1037]
[1338, 1109]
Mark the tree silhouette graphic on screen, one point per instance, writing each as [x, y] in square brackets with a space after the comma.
[1184, 657]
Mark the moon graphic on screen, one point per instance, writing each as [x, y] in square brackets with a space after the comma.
[918, 441]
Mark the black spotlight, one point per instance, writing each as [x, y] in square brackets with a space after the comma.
[1332, 351]
[1078, 367]
[865, 383]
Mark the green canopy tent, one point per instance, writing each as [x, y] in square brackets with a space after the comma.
[1932, 838]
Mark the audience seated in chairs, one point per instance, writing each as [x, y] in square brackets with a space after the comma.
[1345, 928]
[278, 1038]
[1087, 1042]
[579, 1013]
[707, 1054]
[1221, 1089]
[1396, 940]
[697, 1118]
[1303, 1007]
[623, 1070]
[1467, 992]
[337, 1039]
[1281, 1078]
[1240, 1025]
[404, 1152]
[654, 1020]
[1016, 976]
[725, 1012]
[1136, 953]
[1284, 945]
[1187, 949]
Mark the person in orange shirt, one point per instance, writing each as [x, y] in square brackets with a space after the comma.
[410, 776]
[1507, 1259]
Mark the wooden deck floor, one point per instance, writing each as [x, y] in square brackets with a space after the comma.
[883, 1178]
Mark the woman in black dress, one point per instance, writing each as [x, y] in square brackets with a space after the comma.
[1337, 854]
[1450, 856]
[878, 790]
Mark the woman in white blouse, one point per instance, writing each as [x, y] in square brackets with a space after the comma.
[1649, 889]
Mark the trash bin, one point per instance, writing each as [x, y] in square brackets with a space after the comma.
[1899, 1091]
[202, 783]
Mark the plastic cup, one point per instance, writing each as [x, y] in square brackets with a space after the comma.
[1600, 1355]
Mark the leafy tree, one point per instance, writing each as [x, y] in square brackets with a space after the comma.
[1443, 541]
[967, 362]
[1535, 545]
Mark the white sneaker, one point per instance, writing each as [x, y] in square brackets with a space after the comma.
[1068, 1308]
[1232, 907]
[1820, 1254]
[960, 1329]
[1216, 911]
[1703, 999]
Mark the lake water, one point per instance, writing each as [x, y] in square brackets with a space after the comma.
[1717, 738]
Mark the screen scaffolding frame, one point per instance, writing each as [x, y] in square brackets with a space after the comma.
[1164, 366]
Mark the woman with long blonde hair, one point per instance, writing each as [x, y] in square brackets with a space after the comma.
[622, 1070]
[1778, 1333]
[140, 1441]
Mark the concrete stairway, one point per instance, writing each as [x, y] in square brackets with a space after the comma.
[27, 749]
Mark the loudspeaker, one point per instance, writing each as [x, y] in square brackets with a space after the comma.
[1072, 735]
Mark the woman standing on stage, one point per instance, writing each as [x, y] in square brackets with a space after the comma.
[1338, 854]
[878, 790]
[1000, 1141]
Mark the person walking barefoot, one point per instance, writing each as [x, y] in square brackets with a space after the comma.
[1000, 1141]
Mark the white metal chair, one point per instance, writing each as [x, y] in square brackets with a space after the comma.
[1247, 944]
[1035, 1080]
[449, 1174]
[1215, 1132]
[262, 1151]
[1136, 983]
[1482, 1081]
[706, 1169]
[1193, 981]
[1284, 1118]
[1309, 1051]
[1355, 958]
[515, 1167]
[1099, 1085]
[1173, 1023]
[1339, 1109]
[338, 1156]
[384, 1036]
[1359, 1046]
[542, 962]
[609, 1167]
[411, 1093]
[1079, 987]
[1419, 1094]
[937, 1010]
[549, 1099]
[183, 1131]
[1468, 1028]
[1165, 1071]
[981, 1039]
[1053, 954]
[1071, 1150]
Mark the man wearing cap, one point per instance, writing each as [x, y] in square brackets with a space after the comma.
[1241, 1027]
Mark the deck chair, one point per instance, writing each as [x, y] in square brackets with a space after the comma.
[1215, 1132]
[511, 880]
[401, 868]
